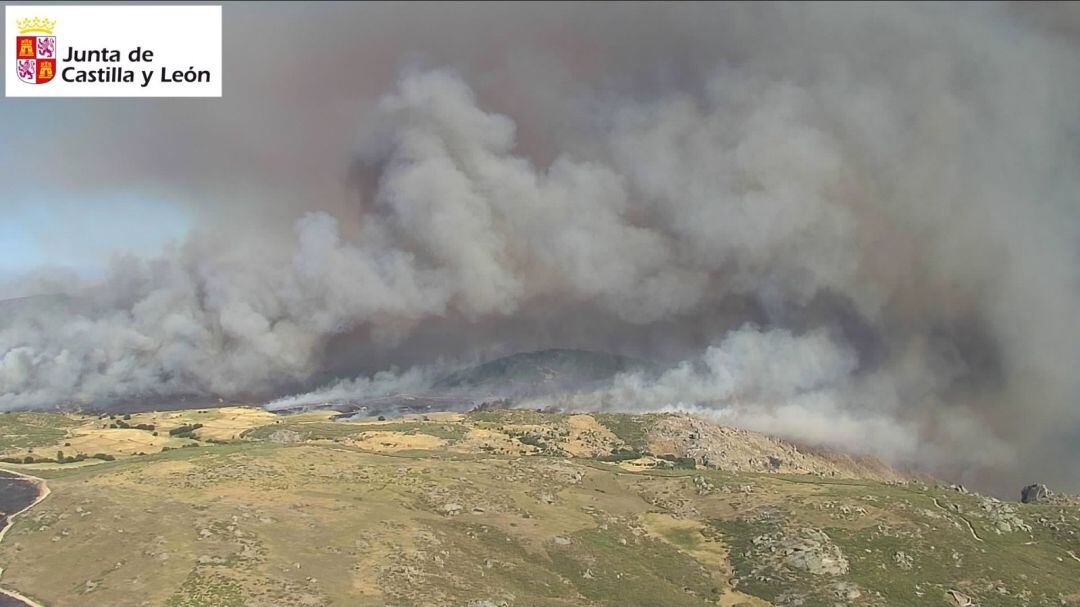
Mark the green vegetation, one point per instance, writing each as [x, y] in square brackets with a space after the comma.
[306, 430]
[631, 429]
[334, 430]
[621, 455]
[124, 425]
[185, 430]
[29, 430]
[615, 567]
[445, 431]
[681, 463]
[517, 417]
[200, 590]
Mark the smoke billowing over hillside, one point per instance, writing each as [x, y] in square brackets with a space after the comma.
[851, 225]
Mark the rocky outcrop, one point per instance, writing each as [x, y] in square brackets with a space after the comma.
[1034, 493]
[808, 549]
[285, 437]
[1002, 516]
[733, 449]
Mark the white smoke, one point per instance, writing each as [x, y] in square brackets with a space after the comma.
[804, 387]
[382, 384]
[889, 192]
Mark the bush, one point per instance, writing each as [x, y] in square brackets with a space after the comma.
[68, 459]
[533, 440]
[621, 455]
[184, 431]
[683, 463]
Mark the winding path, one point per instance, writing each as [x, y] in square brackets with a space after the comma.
[961, 517]
[23, 498]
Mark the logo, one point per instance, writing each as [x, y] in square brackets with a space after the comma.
[35, 56]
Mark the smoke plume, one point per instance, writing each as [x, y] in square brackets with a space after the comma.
[856, 226]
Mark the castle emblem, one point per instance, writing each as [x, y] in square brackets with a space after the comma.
[35, 50]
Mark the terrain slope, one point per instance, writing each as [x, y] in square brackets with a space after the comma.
[238, 507]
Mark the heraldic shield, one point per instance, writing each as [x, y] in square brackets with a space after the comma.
[35, 55]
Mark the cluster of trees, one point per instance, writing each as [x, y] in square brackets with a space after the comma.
[123, 423]
[184, 431]
[623, 454]
[60, 458]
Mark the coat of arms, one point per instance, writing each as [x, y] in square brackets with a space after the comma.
[35, 50]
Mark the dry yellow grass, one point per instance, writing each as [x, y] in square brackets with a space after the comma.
[480, 439]
[389, 442]
[588, 438]
[116, 441]
[230, 423]
[93, 435]
[445, 417]
[642, 463]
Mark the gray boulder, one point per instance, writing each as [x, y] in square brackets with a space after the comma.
[1034, 493]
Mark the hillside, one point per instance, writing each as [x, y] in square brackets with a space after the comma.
[543, 372]
[503, 507]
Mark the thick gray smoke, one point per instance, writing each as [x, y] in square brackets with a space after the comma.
[805, 387]
[889, 194]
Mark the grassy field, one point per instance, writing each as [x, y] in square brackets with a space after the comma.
[25, 431]
[298, 511]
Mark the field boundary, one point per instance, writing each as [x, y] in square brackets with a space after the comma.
[43, 492]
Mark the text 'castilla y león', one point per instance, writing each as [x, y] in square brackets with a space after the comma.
[117, 73]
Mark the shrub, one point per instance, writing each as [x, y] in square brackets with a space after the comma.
[184, 431]
[533, 440]
[683, 463]
[621, 455]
